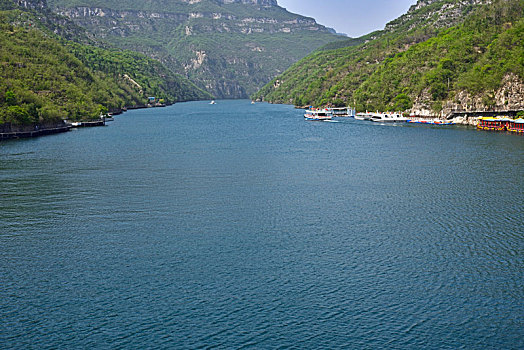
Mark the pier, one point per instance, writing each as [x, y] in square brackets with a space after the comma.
[100, 122]
[33, 133]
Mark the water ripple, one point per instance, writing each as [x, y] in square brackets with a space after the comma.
[259, 230]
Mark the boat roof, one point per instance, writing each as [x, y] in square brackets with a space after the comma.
[496, 119]
[519, 121]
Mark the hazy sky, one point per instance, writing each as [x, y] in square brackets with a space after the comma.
[353, 17]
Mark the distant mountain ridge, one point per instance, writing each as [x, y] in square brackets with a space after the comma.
[231, 48]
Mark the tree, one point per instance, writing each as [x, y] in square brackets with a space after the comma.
[17, 116]
[10, 98]
[402, 102]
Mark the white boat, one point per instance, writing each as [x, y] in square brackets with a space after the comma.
[318, 114]
[389, 118]
[363, 116]
[212, 102]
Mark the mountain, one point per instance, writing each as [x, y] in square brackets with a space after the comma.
[441, 56]
[45, 78]
[231, 48]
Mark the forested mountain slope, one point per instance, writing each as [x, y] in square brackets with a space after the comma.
[231, 48]
[45, 78]
[443, 55]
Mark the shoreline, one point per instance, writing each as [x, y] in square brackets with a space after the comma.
[37, 130]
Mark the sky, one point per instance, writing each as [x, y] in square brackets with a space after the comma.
[352, 17]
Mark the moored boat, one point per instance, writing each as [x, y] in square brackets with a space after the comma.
[363, 116]
[493, 123]
[389, 118]
[318, 114]
[516, 125]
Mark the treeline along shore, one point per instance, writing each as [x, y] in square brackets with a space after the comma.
[9, 131]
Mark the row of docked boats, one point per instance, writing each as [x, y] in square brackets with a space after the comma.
[326, 114]
[398, 118]
[501, 124]
[484, 123]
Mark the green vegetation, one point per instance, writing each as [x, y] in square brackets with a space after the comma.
[410, 61]
[45, 78]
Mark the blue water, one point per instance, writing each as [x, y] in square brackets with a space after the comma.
[244, 226]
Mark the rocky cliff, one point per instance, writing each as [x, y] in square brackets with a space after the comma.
[509, 97]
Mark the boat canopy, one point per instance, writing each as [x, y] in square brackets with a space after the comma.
[496, 119]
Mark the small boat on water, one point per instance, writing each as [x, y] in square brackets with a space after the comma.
[388, 118]
[212, 102]
[318, 114]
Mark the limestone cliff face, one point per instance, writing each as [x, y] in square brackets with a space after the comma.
[509, 97]
[106, 21]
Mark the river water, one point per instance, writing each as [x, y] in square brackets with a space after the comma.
[244, 226]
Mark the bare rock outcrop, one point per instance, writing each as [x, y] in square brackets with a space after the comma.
[508, 98]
